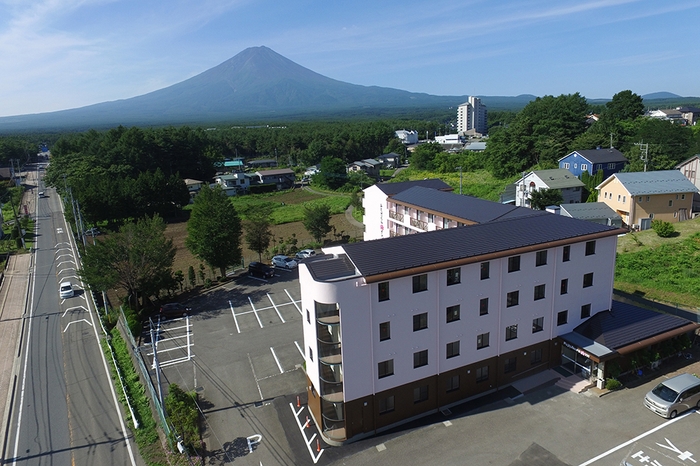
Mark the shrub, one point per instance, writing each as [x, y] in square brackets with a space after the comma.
[662, 228]
[612, 384]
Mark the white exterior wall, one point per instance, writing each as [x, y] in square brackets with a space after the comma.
[375, 218]
[523, 190]
[361, 313]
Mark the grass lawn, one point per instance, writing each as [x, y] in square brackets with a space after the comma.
[662, 269]
[288, 206]
[479, 183]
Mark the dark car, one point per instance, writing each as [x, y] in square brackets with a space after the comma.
[260, 270]
[174, 310]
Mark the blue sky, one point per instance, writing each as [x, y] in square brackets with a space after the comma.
[58, 54]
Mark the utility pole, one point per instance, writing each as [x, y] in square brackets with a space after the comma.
[644, 153]
[460, 179]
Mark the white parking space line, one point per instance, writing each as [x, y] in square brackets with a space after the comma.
[299, 348]
[294, 302]
[255, 377]
[276, 310]
[279, 366]
[641, 436]
[255, 311]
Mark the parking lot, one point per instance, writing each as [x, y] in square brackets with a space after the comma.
[241, 349]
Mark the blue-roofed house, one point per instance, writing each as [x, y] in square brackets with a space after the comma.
[592, 161]
[641, 197]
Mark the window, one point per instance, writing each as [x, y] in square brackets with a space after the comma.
[483, 306]
[420, 394]
[536, 356]
[420, 321]
[431, 218]
[562, 317]
[670, 203]
[564, 288]
[482, 374]
[537, 324]
[575, 165]
[485, 270]
[624, 199]
[420, 358]
[311, 353]
[385, 368]
[512, 298]
[599, 166]
[590, 248]
[384, 331]
[682, 196]
[420, 283]
[640, 199]
[611, 165]
[453, 276]
[619, 196]
[511, 332]
[510, 365]
[308, 316]
[584, 166]
[482, 341]
[384, 291]
[513, 264]
[445, 223]
[588, 280]
[566, 165]
[541, 258]
[453, 313]
[452, 383]
[648, 197]
[386, 405]
[585, 311]
[452, 349]
[539, 292]
[566, 254]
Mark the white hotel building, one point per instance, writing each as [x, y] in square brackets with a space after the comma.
[398, 328]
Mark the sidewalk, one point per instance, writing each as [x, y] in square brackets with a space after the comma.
[13, 299]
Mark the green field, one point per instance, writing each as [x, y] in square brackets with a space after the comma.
[288, 206]
[478, 183]
[662, 269]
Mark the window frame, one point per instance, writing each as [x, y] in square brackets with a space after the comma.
[453, 313]
[388, 366]
[420, 358]
[513, 264]
[383, 291]
[535, 356]
[511, 332]
[421, 394]
[586, 311]
[513, 298]
[562, 317]
[454, 276]
[451, 385]
[452, 349]
[541, 258]
[387, 404]
[564, 286]
[510, 365]
[482, 340]
[566, 253]
[539, 292]
[385, 331]
[420, 283]
[485, 270]
[420, 321]
[590, 248]
[588, 280]
[482, 374]
[484, 306]
[538, 324]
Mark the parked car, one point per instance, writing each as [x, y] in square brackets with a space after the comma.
[260, 270]
[284, 262]
[306, 253]
[675, 395]
[174, 310]
[66, 290]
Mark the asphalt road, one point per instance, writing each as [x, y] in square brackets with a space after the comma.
[64, 409]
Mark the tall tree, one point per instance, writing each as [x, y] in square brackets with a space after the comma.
[332, 173]
[625, 105]
[138, 259]
[214, 229]
[257, 229]
[539, 200]
[317, 221]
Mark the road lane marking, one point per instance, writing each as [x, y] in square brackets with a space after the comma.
[255, 376]
[279, 366]
[276, 310]
[255, 311]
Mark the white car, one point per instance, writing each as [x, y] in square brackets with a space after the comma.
[284, 262]
[66, 290]
[306, 253]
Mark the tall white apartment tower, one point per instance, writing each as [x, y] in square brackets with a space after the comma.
[472, 116]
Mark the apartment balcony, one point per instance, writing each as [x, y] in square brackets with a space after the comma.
[324, 311]
[396, 216]
[333, 418]
[419, 224]
[329, 353]
[328, 330]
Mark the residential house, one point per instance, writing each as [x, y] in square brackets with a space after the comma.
[390, 160]
[690, 114]
[476, 146]
[641, 197]
[193, 187]
[592, 161]
[376, 206]
[668, 114]
[597, 212]
[262, 163]
[560, 179]
[284, 178]
[690, 169]
[407, 137]
[371, 167]
[235, 183]
[235, 165]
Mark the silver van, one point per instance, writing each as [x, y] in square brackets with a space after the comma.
[674, 396]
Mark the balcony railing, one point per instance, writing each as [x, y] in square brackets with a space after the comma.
[328, 332]
[419, 224]
[326, 310]
[329, 353]
[396, 216]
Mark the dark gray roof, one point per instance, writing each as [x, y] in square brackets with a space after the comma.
[329, 267]
[393, 188]
[602, 155]
[405, 252]
[590, 210]
[463, 207]
[626, 324]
